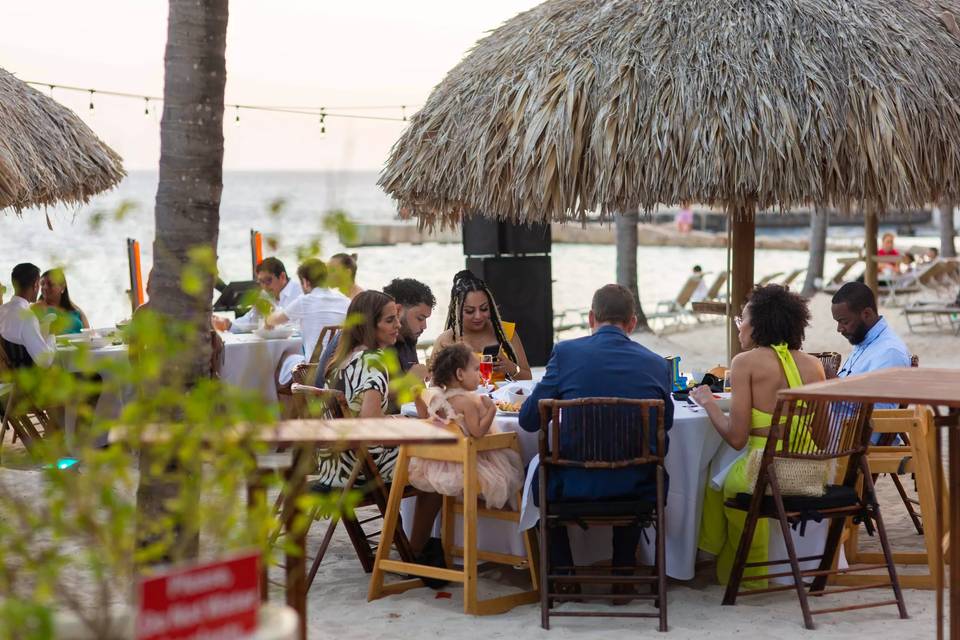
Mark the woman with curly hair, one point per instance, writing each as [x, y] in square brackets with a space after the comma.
[474, 320]
[771, 331]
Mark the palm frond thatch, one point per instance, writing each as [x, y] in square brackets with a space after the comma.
[47, 154]
[602, 106]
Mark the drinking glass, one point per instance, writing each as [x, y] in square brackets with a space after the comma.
[726, 382]
[486, 369]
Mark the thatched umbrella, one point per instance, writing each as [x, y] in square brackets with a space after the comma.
[605, 106]
[47, 154]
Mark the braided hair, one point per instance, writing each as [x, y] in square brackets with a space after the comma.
[465, 282]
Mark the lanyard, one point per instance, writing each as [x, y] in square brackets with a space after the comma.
[858, 354]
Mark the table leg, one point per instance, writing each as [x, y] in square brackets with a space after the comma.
[296, 560]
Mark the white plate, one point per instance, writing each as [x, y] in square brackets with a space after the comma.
[279, 333]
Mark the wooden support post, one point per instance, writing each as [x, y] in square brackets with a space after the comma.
[870, 248]
[744, 224]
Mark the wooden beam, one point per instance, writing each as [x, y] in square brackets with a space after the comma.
[870, 248]
[743, 224]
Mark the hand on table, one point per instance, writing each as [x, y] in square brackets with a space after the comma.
[420, 371]
[505, 367]
[220, 324]
[702, 395]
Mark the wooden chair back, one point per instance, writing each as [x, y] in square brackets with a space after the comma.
[28, 421]
[325, 335]
[602, 433]
[829, 359]
[311, 402]
[817, 431]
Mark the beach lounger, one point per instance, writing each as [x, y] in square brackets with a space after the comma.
[674, 311]
[920, 314]
[840, 277]
[769, 278]
[713, 293]
[569, 319]
[793, 275]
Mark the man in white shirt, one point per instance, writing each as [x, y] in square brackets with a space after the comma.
[320, 306]
[277, 288]
[23, 340]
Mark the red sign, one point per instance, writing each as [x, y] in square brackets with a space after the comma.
[213, 601]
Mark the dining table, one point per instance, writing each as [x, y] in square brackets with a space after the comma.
[303, 438]
[937, 388]
[696, 457]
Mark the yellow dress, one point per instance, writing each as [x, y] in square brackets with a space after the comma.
[722, 527]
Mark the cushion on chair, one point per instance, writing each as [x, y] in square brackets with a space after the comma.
[835, 497]
[601, 509]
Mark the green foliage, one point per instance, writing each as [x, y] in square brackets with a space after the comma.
[338, 221]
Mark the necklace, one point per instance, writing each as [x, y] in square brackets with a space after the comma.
[858, 354]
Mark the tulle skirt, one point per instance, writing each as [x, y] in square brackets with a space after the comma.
[500, 473]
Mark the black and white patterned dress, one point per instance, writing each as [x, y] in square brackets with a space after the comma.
[363, 371]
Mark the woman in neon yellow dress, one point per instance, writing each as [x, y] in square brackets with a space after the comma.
[771, 331]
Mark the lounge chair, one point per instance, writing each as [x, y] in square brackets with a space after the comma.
[676, 310]
[569, 319]
[793, 275]
[921, 314]
[713, 293]
[840, 277]
[767, 279]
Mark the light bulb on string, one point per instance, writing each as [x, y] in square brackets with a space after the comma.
[91, 99]
[51, 91]
[403, 112]
[146, 106]
[323, 123]
[236, 119]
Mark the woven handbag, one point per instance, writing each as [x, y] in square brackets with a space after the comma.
[796, 477]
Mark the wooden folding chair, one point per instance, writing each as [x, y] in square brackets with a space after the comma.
[29, 422]
[602, 433]
[819, 432]
[915, 455]
[465, 453]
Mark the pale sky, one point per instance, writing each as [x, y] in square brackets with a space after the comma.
[279, 52]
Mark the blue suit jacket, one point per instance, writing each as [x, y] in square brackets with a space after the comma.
[607, 364]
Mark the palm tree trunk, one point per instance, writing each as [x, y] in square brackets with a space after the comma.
[819, 224]
[627, 261]
[947, 231]
[188, 202]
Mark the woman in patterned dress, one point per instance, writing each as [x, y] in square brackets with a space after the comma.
[359, 369]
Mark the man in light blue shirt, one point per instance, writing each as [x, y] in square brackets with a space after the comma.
[875, 344]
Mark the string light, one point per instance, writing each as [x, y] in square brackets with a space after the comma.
[322, 112]
[323, 124]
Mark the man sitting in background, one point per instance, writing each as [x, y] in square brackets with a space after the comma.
[605, 364]
[278, 289]
[416, 302]
[320, 306]
[20, 333]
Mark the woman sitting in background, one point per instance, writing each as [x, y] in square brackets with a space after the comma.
[771, 332]
[474, 320]
[55, 300]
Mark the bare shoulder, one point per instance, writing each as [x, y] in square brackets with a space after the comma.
[445, 339]
[810, 367]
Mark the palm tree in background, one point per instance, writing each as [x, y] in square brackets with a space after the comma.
[626, 229]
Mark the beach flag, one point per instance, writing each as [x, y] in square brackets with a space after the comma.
[136, 275]
[256, 249]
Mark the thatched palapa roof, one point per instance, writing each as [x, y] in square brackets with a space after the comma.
[613, 105]
[47, 154]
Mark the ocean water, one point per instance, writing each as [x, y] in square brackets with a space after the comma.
[95, 255]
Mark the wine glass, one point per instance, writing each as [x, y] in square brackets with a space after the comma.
[486, 369]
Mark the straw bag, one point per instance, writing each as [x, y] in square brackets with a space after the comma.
[796, 477]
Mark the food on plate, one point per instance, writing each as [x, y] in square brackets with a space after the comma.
[508, 407]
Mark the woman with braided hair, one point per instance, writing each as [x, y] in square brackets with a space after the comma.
[474, 320]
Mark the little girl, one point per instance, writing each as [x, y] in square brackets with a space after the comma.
[456, 376]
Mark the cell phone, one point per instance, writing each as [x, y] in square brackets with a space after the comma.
[491, 350]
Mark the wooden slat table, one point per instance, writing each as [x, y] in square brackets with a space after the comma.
[305, 436]
[939, 388]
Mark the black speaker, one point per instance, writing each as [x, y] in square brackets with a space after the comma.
[523, 289]
[487, 237]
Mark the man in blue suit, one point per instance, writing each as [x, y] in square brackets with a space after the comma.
[607, 364]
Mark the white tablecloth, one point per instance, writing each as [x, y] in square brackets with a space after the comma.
[696, 453]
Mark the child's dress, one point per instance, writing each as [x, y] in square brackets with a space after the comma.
[500, 472]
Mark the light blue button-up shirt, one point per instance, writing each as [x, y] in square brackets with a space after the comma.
[881, 349]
